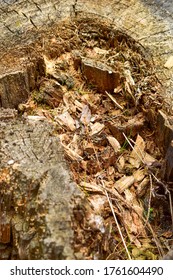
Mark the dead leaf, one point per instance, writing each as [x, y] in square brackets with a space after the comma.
[98, 202]
[148, 159]
[136, 156]
[96, 222]
[86, 115]
[114, 143]
[121, 163]
[96, 128]
[66, 119]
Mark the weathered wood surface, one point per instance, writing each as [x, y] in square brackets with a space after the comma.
[165, 139]
[149, 22]
[37, 195]
[19, 76]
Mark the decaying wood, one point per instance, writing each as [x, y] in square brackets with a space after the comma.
[100, 75]
[165, 138]
[37, 193]
[19, 74]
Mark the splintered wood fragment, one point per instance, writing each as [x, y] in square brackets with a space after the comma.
[124, 183]
[79, 105]
[21, 77]
[114, 100]
[114, 143]
[50, 92]
[101, 51]
[32, 118]
[50, 66]
[136, 156]
[141, 189]
[91, 187]
[120, 163]
[72, 154]
[66, 119]
[139, 175]
[5, 233]
[100, 75]
[96, 128]
[148, 159]
[169, 62]
[86, 115]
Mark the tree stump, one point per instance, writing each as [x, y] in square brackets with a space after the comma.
[37, 193]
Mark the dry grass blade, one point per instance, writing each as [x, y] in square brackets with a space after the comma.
[149, 202]
[130, 206]
[116, 221]
[133, 148]
[113, 99]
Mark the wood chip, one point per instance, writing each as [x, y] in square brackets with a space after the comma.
[139, 175]
[86, 115]
[36, 118]
[96, 128]
[100, 51]
[148, 159]
[72, 154]
[141, 189]
[136, 155]
[169, 62]
[66, 119]
[114, 143]
[91, 187]
[124, 183]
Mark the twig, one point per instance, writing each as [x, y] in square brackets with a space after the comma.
[116, 221]
[149, 202]
[169, 194]
[113, 99]
[156, 240]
